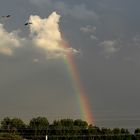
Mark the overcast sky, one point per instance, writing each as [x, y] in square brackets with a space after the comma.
[34, 81]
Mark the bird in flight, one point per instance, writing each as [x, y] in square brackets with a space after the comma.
[8, 16]
[27, 23]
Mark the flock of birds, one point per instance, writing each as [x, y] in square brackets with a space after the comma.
[8, 16]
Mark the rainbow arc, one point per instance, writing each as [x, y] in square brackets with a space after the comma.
[78, 88]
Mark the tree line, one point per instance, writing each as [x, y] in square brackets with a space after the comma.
[63, 129]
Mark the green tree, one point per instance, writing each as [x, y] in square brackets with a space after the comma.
[38, 127]
[6, 124]
[81, 123]
[94, 132]
[61, 128]
[18, 125]
[15, 125]
[137, 133]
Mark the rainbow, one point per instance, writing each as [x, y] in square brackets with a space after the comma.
[78, 88]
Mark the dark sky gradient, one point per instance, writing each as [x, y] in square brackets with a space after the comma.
[109, 64]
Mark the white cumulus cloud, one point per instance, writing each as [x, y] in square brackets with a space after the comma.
[46, 35]
[9, 41]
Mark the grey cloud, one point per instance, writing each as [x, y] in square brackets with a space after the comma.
[93, 37]
[109, 47]
[81, 12]
[41, 2]
[88, 29]
[76, 11]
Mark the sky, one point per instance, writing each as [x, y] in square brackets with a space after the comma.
[104, 39]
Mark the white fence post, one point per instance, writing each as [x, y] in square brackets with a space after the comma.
[46, 137]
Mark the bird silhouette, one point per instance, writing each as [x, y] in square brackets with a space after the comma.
[8, 16]
[27, 23]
